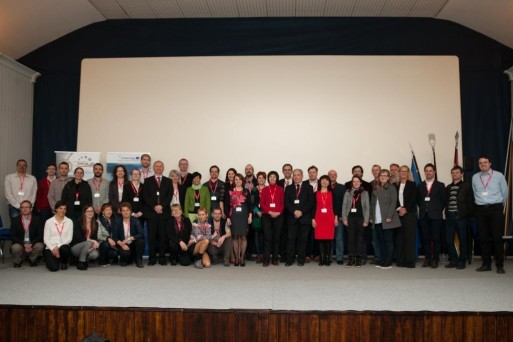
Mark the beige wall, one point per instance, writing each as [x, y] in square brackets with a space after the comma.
[331, 111]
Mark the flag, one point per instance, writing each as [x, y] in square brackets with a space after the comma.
[415, 172]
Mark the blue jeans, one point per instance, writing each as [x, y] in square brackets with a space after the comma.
[376, 244]
[13, 213]
[454, 225]
[339, 241]
[385, 240]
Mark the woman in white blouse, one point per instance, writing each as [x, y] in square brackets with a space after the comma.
[57, 236]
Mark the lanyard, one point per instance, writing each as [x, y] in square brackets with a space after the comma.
[355, 199]
[59, 231]
[97, 187]
[487, 182]
[135, 190]
[324, 197]
[22, 180]
[272, 193]
[196, 195]
[184, 179]
[213, 191]
[26, 228]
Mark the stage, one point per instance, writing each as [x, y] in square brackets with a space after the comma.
[310, 303]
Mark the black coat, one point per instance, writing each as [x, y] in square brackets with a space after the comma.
[36, 230]
[435, 206]
[305, 205]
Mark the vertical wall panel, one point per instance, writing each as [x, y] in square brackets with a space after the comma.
[16, 110]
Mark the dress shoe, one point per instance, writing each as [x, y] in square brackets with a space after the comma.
[275, 262]
[33, 264]
[123, 264]
[236, 264]
[259, 259]
[227, 263]
[139, 263]
[340, 262]
[350, 261]
[450, 266]
[152, 263]
[265, 263]
[17, 265]
[484, 268]
[64, 266]
[460, 267]
[163, 262]
[173, 262]
[358, 261]
[287, 264]
[426, 263]
[81, 266]
[434, 264]
[316, 258]
[242, 264]
[500, 270]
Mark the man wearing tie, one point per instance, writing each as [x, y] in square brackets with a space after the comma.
[299, 203]
[286, 169]
[157, 193]
[431, 202]
[490, 194]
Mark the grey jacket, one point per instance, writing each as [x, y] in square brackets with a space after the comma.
[387, 197]
[348, 203]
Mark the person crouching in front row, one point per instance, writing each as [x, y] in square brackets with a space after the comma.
[200, 239]
[179, 233]
[129, 237]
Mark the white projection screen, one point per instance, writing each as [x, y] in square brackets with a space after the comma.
[330, 111]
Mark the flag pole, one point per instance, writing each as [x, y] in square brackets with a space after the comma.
[432, 142]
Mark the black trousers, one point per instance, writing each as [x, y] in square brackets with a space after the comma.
[53, 263]
[490, 225]
[157, 233]
[324, 247]
[176, 253]
[431, 234]
[136, 250]
[297, 239]
[406, 241]
[272, 234]
[356, 243]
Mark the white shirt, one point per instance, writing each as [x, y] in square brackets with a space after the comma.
[146, 174]
[51, 234]
[401, 194]
[15, 193]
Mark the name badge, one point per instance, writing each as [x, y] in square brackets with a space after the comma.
[484, 193]
[324, 210]
[296, 201]
[97, 195]
[427, 199]
[27, 240]
[238, 209]
[136, 199]
[213, 198]
[196, 204]
[21, 193]
[77, 202]
[158, 193]
[272, 205]
[353, 210]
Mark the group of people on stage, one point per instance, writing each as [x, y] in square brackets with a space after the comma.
[291, 219]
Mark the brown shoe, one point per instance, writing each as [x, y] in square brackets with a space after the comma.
[276, 262]
[316, 258]
[265, 263]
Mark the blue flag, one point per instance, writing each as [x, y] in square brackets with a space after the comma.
[415, 172]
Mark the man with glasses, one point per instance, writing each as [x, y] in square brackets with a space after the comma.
[19, 186]
[26, 236]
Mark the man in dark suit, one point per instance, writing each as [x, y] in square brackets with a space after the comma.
[431, 202]
[26, 236]
[157, 193]
[185, 176]
[299, 200]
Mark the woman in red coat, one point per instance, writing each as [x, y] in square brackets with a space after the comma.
[325, 220]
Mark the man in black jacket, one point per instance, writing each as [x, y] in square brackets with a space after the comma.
[26, 236]
[460, 206]
[299, 199]
[431, 202]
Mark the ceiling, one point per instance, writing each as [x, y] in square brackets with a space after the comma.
[26, 25]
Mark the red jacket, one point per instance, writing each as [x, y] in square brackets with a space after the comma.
[278, 196]
[42, 194]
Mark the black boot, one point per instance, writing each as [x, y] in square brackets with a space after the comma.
[358, 261]
[322, 260]
[350, 261]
